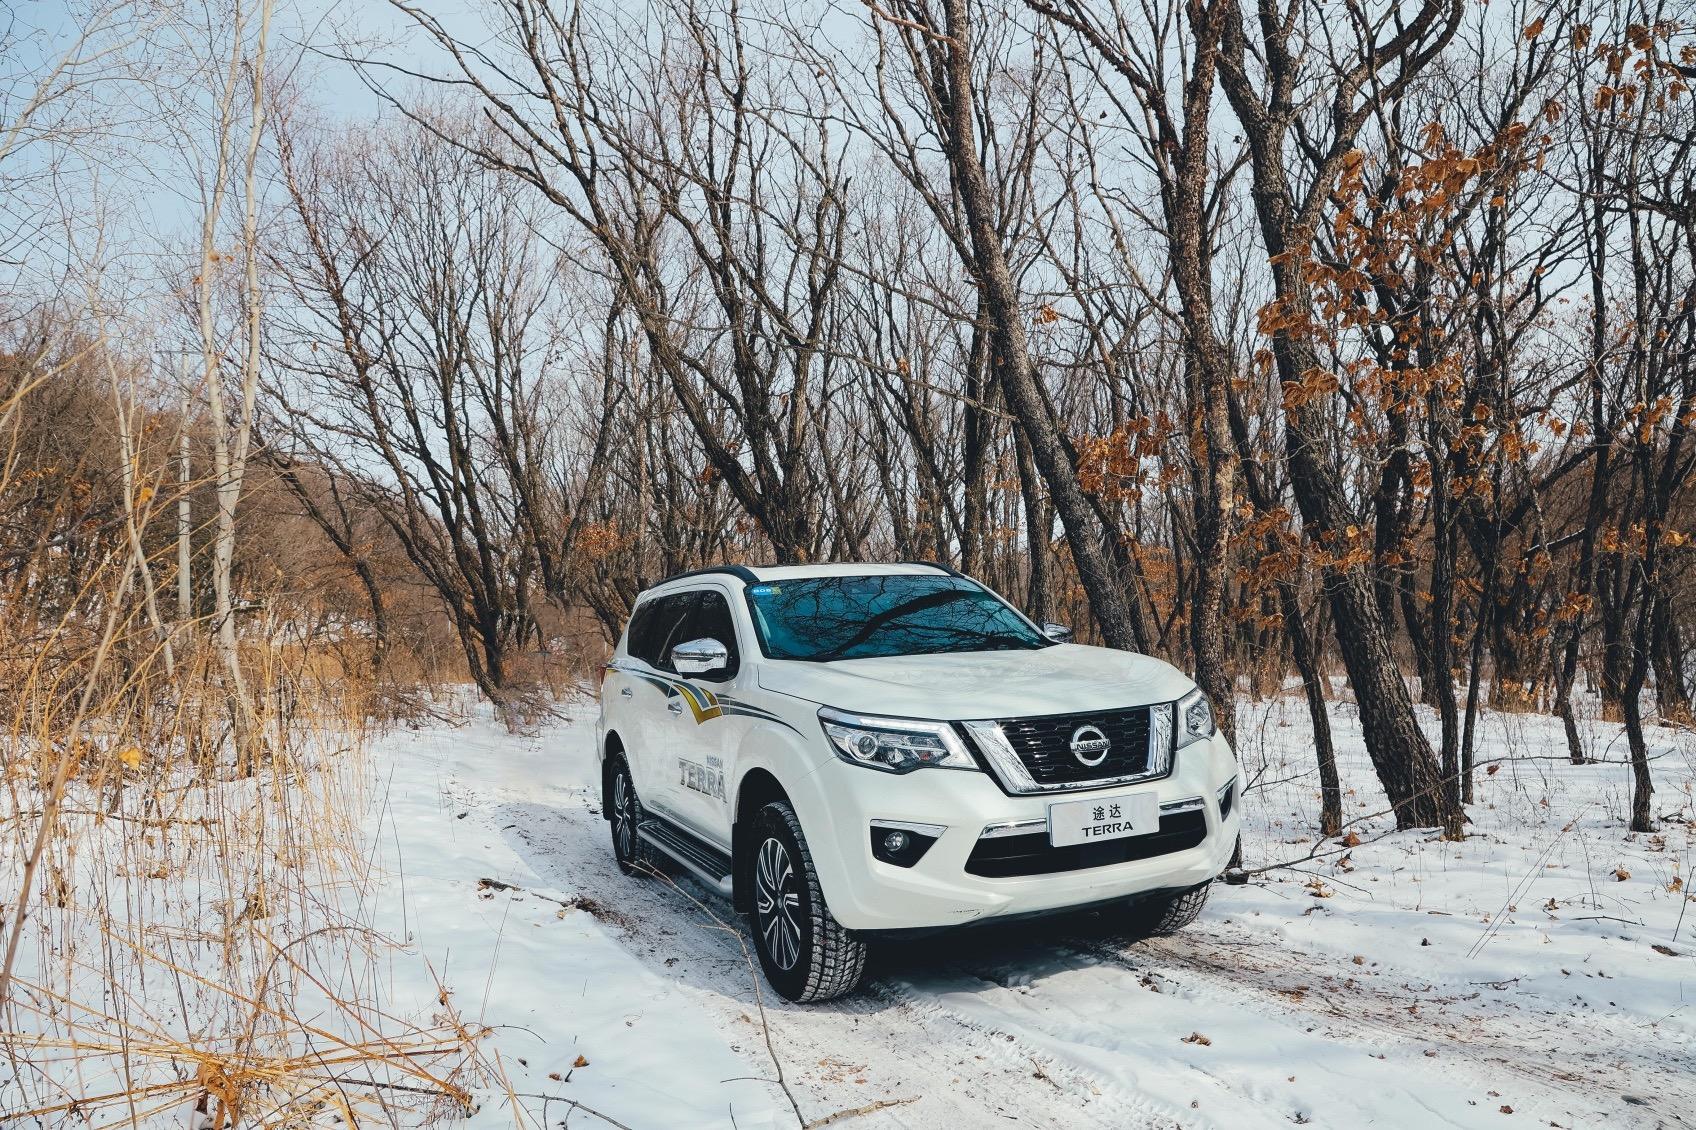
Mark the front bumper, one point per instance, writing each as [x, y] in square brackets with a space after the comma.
[865, 893]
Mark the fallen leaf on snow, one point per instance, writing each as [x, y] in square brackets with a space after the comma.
[1621, 874]
[1198, 1038]
[1668, 950]
[580, 1061]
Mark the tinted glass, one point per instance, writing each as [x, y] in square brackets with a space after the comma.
[638, 639]
[659, 630]
[826, 618]
[711, 620]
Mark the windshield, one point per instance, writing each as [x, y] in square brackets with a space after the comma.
[826, 618]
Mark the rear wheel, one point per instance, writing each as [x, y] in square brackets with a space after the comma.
[1167, 913]
[806, 954]
[625, 810]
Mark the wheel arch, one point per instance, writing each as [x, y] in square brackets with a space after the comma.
[611, 750]
[757, 788]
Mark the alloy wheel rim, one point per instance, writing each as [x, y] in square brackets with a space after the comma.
[777, 902]
[624, 815]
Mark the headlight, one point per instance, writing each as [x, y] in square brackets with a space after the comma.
[894, 745]
[1195, 719]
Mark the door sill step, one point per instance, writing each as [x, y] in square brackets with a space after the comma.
[701, 859]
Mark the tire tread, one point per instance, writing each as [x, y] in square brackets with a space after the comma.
[836, 958]
[1170, 913]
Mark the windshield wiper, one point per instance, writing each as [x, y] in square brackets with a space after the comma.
[877, 623]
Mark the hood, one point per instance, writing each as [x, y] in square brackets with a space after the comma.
[1063, 679]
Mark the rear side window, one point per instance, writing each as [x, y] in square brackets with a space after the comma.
[638, 638]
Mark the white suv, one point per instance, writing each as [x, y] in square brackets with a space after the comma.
[855, 751]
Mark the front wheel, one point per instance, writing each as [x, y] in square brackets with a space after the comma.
[1167, 913]
[806, 954]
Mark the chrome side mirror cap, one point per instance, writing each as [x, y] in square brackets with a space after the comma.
[700, 657]
[1059, 633]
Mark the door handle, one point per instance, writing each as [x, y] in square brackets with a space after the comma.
[675, 706]
[625, 693]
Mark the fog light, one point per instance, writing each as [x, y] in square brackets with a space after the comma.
[905, 845]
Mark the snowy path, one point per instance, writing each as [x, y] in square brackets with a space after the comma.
[1347, 1010]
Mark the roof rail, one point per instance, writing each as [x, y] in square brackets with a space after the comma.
[949, 569]
[740, 572]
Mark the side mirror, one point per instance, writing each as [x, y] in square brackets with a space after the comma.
[1059, 633]
[700, 657]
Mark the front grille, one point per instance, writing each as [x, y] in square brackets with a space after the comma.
[1044, 745]
[1007, 856]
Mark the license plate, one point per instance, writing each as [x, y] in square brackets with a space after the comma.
[1107, 818]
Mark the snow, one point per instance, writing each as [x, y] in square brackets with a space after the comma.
[1542, 972]
[1403, 981]
[547, 977]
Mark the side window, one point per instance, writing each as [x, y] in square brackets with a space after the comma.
[672, 624]
[652, 627]
[638, 638]
[712, 621]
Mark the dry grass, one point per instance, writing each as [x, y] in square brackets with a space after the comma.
[190, 938]
[184, 916]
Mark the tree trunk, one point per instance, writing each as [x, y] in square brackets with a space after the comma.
[1672, 698]
[1039, 524]
[1000, 296]
[1313, 688]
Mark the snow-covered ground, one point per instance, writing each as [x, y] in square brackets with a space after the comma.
[1543, 972]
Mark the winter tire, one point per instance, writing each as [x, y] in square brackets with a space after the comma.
[624, 810]
[806, 954]
[1167, 914]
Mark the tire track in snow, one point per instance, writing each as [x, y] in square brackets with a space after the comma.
[903, 1046]
[979, 1023]
[1550, 1049]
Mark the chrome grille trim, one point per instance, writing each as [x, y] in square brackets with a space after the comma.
[1004, 761]
[1013, 828]
[932, 830]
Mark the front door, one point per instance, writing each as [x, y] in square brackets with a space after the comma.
[654, 700]
[705, 735]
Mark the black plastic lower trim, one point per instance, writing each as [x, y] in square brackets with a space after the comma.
[1008, 856]
[913, 933]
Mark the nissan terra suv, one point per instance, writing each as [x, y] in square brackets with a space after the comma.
[852, 752]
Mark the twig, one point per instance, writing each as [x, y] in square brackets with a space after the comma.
[754, 976]
[573, 903]
[573, 1103]
[855, 1112]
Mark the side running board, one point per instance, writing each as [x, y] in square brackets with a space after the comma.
[706, 862]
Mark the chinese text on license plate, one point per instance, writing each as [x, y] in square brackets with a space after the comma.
[1103, 818]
